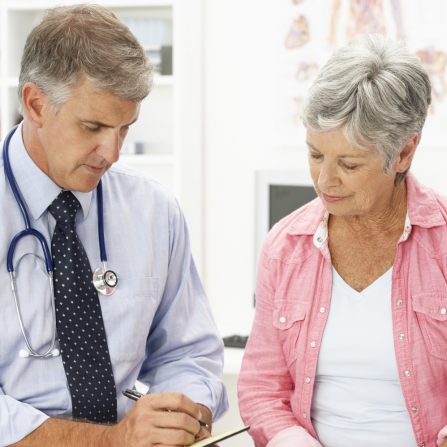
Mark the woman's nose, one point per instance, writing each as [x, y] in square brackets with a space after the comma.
[328, 176]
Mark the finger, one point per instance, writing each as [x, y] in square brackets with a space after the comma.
[175, 420]
[174, 401]
[169, 436]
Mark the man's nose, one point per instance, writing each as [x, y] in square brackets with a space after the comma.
[110, 147]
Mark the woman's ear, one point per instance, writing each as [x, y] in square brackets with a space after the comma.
[403, 162]
[34, 104]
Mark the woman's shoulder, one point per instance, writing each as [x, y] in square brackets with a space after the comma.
[295, 231]
[427, 208]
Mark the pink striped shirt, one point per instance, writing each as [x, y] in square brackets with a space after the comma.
[293, 293]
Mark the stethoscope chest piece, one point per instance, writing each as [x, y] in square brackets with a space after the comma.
[104, 280]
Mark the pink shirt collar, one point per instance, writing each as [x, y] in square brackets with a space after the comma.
[423, 211]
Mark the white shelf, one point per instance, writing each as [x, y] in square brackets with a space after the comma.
[163, 80]
[147, 159]
[170, 121]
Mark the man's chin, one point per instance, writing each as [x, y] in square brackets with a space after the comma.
[85, 184]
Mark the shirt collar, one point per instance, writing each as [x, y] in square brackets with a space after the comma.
[321, 234]
[36, 188]
[423, 210]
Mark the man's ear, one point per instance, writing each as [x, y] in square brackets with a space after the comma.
[405, 158]
[34, 104]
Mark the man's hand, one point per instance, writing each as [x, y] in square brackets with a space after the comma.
[149, 424]
[205, 432]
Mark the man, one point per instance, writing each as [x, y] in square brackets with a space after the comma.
[82, 80]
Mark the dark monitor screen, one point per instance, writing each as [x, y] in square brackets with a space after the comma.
[284, 199]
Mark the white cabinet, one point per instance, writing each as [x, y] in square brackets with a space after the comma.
[166, 142]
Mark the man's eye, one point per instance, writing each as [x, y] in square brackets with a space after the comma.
[316, 157]
[92, 129]
[349, 167]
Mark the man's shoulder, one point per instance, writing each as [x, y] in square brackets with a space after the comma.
[127, 176]
[128, 185]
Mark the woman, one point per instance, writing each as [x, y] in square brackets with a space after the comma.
[349, 342]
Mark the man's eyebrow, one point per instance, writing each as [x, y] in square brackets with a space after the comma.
[99, 124]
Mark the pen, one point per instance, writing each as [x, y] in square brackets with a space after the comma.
[135, 395]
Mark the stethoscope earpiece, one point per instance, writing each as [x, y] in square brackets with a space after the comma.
[53, 353]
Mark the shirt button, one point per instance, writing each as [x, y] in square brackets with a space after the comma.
[313, 344]
[399, 302]
[307, 379]
[401, 336]
[422, 444]
[407, 373]
[304, 415]
[414, 409]
[282, 320]
[443, 311]
[322, 310]
[320, 239]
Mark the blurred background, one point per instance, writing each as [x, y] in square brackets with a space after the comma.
[221, 127]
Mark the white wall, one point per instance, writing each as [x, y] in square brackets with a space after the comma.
[239, 138]
[240, 108]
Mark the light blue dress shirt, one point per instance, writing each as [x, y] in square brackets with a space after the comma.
[158, 322]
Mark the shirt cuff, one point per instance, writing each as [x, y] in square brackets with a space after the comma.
[17, 420]
[294, 437]
[210, 393]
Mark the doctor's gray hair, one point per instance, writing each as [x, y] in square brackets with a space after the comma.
[74, 43]
[376, 91]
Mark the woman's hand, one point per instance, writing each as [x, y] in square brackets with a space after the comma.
[442, 437]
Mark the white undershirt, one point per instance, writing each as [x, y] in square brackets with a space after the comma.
[358, 400]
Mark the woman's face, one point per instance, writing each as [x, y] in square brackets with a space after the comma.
[349, 181]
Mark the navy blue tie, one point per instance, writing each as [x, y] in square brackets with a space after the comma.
[80, 326]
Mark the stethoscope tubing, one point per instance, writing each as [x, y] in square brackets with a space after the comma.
[102, 245]
[29, 231]
[12, 180]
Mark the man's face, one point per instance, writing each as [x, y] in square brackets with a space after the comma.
[80, 143]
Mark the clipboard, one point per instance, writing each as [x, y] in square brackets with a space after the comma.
[220, 437]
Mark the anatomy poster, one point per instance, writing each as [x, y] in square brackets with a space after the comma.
[313, 29]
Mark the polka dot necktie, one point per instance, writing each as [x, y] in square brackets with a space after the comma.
[80, 326]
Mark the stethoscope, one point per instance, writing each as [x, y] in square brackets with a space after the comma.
[104, 280]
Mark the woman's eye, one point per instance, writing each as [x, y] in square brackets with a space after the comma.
[349, 167]
[315, 157]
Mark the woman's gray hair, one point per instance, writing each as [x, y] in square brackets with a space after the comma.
[73, 43]
[376, 91]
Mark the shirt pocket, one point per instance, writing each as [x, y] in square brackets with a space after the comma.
[288, 318]
[431, 311]
[128, 315]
